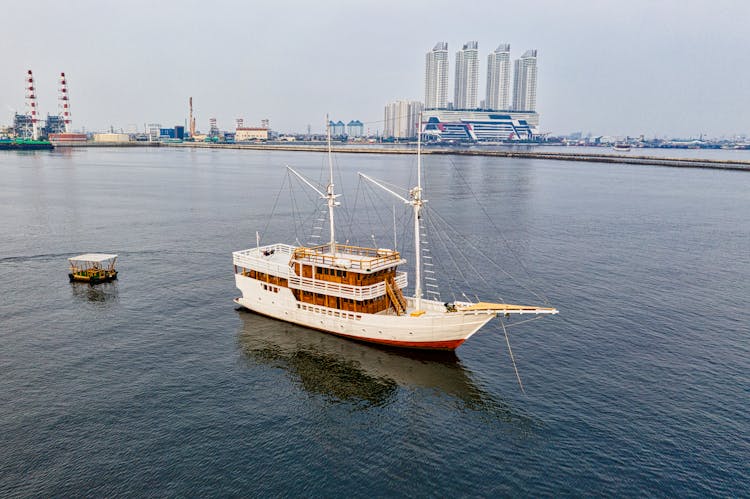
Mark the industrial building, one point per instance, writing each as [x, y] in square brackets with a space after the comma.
[117, 138]
[247, 134]
[355, 128]
[338, 128]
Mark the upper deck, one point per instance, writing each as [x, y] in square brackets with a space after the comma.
[354, 258]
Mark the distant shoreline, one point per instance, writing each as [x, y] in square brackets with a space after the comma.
[629, 159]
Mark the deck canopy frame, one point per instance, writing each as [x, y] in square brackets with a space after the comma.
[93, 261]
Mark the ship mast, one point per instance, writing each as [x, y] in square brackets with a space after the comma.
[416, 196]
[330, 196]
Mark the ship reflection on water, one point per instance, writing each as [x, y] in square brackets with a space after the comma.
[346, 371]
[101, 293]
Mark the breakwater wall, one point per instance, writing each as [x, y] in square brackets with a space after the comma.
[628, 159]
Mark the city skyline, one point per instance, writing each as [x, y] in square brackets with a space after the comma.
[667, 68]
[466, 81]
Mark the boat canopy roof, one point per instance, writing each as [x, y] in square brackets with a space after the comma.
[92, 257]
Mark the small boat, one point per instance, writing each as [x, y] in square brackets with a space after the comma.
[621, 147]
[93, 268]
[356, 292]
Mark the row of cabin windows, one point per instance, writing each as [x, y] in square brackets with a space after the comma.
[268, 287]
[327, 271]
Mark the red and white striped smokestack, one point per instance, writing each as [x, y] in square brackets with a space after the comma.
[64, 102]
[31, 104]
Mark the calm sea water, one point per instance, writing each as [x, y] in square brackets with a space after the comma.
[157, 385]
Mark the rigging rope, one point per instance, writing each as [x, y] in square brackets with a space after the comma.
[499, 232]
[489, 259]
[273, 210]
[458, 251]
[507, 342]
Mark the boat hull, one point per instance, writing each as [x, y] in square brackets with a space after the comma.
[93, 280]
[11, 145]
[436, 329]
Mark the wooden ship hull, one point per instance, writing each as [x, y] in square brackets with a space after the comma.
[354, 293]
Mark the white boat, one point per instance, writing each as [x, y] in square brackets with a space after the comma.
[356, 292]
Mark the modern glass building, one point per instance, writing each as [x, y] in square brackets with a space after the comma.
[479, 126]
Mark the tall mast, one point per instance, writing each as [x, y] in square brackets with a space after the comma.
[416, 195]
[329, 191]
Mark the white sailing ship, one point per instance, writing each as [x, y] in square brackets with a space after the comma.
[356, 292]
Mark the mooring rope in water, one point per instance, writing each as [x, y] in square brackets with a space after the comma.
[512, 359]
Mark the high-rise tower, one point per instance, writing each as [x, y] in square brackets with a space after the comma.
[436, 77]
[467, 76]
[524, 82]
[402, 119]
[498, 78]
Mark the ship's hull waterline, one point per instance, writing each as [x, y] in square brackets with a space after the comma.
[436, 329]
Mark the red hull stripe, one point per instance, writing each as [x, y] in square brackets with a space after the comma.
[425, 345]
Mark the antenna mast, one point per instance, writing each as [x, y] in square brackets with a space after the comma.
[31, 104]
[64, 104]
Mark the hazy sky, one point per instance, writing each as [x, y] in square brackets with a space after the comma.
[677, 68]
